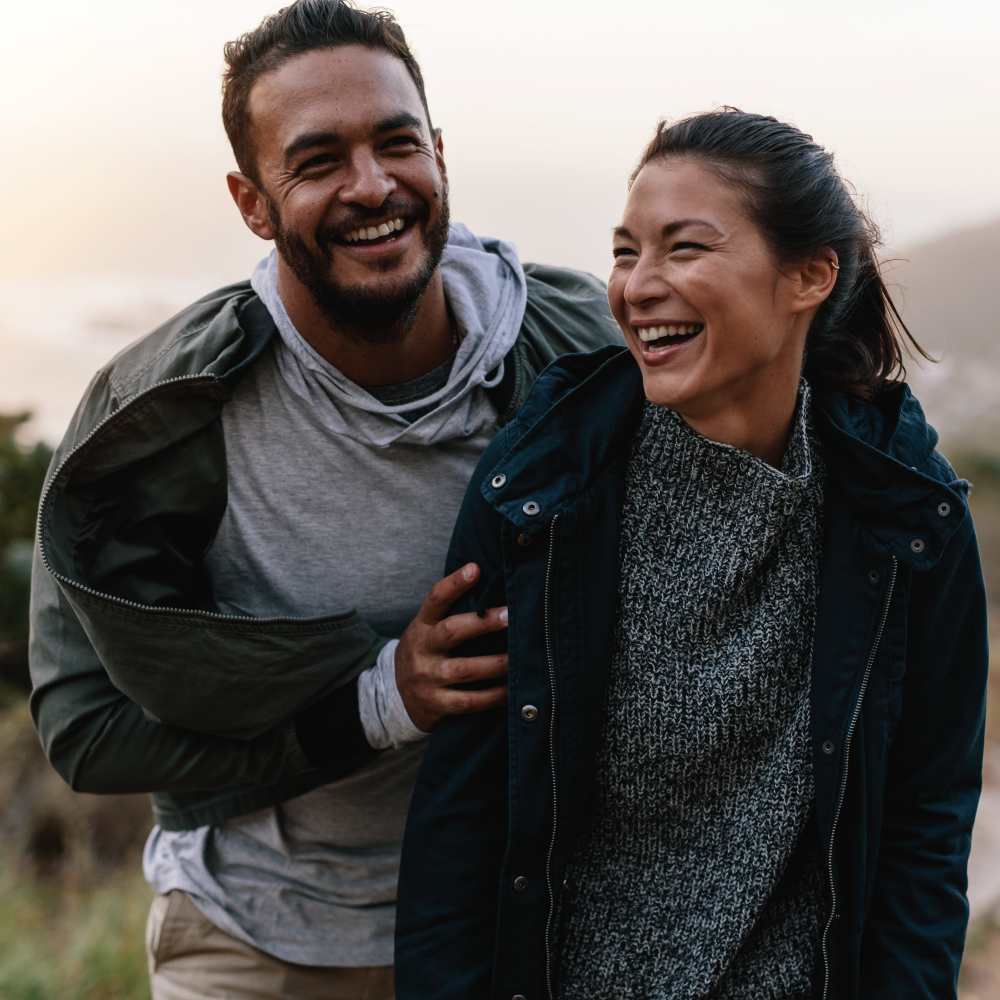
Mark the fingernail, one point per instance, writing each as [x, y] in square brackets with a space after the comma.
[469, 572]
[503, 615]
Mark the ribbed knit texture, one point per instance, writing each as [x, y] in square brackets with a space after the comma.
[700, 876]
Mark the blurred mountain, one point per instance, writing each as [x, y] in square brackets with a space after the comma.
[945, 290]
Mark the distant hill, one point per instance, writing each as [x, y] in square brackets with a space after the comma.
[947, 290]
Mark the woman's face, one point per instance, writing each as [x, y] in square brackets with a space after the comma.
[716, 328]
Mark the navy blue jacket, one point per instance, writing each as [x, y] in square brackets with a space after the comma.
[898, 698]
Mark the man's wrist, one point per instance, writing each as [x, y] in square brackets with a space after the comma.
[384, 718]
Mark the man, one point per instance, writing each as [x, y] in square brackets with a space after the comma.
[234, 484]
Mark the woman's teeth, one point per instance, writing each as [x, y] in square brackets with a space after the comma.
[367, 233]
[651, 333]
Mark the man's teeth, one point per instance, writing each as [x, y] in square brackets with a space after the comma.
[651, 333]
[365, 233]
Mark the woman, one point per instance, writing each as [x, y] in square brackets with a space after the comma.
[743, 744]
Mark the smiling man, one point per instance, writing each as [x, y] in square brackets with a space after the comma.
[236, 604]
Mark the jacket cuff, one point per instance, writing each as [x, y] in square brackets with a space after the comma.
[330, 731]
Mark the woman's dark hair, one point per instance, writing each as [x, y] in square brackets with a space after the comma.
[303, 26]
[801, 205]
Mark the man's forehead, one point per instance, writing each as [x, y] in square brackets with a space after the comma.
[346, 85]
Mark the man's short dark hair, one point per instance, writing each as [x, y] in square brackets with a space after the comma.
[304, 26]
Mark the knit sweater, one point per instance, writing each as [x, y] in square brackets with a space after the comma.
[700, 876]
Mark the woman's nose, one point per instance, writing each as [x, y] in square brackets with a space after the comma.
[645, 283]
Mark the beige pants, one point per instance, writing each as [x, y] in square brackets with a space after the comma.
[191, 959]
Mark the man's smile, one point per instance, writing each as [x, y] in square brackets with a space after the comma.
[370, 233]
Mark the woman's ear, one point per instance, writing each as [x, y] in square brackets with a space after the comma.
[814, 280]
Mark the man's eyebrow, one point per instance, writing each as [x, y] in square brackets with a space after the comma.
[327, 137]
[402, 120]
[309, 140]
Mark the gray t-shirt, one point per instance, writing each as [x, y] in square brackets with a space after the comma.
[326, 514]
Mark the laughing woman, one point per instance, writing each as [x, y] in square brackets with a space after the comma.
[742, 750]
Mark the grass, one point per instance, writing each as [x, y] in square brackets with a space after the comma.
[73, 903]
[62, 943]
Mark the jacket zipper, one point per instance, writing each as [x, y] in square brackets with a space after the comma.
[550, 663]
[121, 601]
[843, 775]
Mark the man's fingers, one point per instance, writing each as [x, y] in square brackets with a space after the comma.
[445, 592]
[466, 669]
[462, 702]
[456, 629]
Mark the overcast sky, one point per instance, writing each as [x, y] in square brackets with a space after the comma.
[114, 155]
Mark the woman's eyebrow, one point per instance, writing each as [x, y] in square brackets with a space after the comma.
[671, 228]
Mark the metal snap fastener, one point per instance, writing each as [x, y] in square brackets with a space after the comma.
[518, 996]
[524, 539]
[529, 713]
[520, 884]
[531, 508]
[944, 509]
[917, 545]
[828, 746]
[498, 481]
[873, 576]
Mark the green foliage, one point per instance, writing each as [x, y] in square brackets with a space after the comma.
[72, 900]
[22, 472]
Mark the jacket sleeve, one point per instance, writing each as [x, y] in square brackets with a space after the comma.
[456, 831]
[915, 931]
[100, 741]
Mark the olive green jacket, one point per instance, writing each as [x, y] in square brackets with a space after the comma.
[139, 685]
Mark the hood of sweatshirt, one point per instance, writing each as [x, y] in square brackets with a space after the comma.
[486, 290]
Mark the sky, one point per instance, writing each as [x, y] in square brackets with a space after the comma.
[114, 158]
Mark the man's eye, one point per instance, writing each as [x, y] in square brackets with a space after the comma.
[322, 160]
[402, 142]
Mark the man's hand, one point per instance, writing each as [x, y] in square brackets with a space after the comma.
[425, 672]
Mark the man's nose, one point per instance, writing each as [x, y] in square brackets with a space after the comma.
[367, 184]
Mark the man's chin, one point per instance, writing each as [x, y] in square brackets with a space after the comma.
[377, 310]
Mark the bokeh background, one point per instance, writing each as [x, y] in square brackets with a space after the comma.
[116, 215]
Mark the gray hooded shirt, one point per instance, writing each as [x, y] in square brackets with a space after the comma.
[338, 500]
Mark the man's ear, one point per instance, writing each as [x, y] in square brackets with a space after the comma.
[252, 204]
[439, 154]
[815, 279]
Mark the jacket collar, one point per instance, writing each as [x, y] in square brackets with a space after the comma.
[579, 421]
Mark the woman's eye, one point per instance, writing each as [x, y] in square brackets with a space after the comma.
[622, 252]
[688, 246]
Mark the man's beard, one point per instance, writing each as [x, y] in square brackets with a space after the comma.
[370, 315]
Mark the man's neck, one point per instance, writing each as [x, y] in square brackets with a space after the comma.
[428, 342]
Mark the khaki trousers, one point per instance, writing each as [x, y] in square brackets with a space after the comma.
[191, 959]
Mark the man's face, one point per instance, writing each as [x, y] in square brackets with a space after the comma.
[355, 183]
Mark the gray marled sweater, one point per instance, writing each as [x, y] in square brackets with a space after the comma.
[700, 876]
